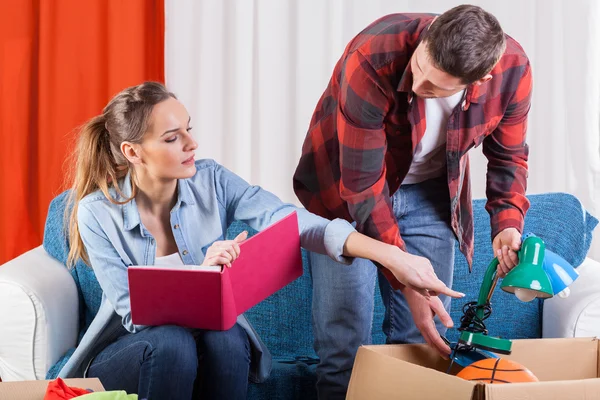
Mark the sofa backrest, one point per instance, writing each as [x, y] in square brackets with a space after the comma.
[284, 321]
[56, 243]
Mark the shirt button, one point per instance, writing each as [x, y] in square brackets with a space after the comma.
[176, 226]
[184, 252]
[151, 241]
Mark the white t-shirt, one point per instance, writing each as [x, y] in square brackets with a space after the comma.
[429, 159]
[170, 260]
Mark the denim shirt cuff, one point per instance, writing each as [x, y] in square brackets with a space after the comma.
[336, 233]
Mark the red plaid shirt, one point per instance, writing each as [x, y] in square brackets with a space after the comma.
[366, 126]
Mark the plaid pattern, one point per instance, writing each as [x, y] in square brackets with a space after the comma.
[367, 125]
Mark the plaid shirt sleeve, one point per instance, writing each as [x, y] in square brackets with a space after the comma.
[507, 153]
[363, 106]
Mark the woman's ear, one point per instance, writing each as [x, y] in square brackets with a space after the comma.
[132, 152]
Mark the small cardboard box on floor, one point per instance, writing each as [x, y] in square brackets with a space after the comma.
[36, 390]
[567, 369]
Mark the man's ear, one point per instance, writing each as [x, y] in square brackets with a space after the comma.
[132, 152]
[432, 21]
[483, 80]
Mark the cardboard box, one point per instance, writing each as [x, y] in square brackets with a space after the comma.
[35, 390]
[566, 368]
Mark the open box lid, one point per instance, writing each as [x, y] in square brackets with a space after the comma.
[404, 372]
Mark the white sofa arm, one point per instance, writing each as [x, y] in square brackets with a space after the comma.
[579, 314]
[39, 315]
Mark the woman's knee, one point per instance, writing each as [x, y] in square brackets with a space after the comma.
[174, 345]
[233, 341]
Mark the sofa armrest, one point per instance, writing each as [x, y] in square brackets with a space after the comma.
[579, 314]
[39, 315]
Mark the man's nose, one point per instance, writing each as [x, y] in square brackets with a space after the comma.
[417, 85]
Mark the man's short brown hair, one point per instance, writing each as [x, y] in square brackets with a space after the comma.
[465, 42]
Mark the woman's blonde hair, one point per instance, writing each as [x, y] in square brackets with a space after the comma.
[99, 161]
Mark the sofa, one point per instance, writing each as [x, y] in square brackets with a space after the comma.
[46, 308]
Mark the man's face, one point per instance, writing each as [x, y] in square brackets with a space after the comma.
[428, 81]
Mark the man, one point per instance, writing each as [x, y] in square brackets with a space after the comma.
[387, 149]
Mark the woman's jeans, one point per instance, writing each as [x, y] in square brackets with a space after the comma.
[171, 362]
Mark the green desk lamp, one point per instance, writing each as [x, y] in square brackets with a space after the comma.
[527, 281]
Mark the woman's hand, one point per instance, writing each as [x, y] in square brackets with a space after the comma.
[417, 273]
[423, 311]
[413, 271]
[224, 252]
[421, 284]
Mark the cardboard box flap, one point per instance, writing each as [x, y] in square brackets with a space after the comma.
[35, 390]
[419, 353]
[377, 375]
[585, 389]
[557, 359]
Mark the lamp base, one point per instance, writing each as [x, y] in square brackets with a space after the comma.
[481, 341]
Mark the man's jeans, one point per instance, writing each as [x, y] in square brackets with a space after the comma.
[163, 362]
[343, 295]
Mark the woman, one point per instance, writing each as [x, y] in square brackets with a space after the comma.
[140, 198]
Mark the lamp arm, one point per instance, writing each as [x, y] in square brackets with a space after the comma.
[487, 286]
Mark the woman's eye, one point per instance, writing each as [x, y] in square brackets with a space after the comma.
[172, 139]
[189, 129]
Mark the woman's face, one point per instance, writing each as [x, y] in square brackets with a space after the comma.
[167, 150]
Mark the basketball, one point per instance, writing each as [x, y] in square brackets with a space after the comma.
[497, 370]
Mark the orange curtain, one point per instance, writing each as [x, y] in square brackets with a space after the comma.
[60, 63]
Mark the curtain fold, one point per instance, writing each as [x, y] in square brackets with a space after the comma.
[60, 63]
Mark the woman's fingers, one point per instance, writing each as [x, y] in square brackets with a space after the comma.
[226, 251]
[218, 260]
[236, 248]
[229, 251]
[439, 287]
[241, 237]
[428, 284]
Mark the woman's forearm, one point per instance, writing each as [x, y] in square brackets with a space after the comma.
[362, 246]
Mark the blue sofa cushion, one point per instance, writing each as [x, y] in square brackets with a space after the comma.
[564, 225]
[56, 243]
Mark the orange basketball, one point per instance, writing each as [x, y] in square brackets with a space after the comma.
[497, 370]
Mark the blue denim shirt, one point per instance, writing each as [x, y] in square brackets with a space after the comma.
[207, 204]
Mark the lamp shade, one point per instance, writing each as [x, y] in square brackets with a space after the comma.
[528, 280]
[560, 272]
